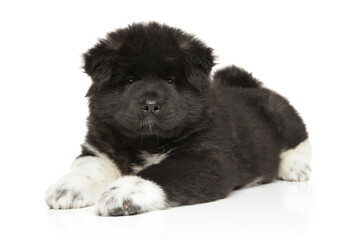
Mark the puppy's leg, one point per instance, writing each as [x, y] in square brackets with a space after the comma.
[295, 163]
[295, 159]
[89, 174]
[130, 195]
[177, 180]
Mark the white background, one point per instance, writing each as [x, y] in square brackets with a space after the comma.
[299, 48]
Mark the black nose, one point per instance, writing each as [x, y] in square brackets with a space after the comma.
[151, 106]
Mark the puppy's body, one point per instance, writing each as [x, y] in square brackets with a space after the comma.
[161, 134]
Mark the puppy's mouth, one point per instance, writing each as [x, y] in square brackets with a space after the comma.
[153, 125]
[149, 128]
[149, 124]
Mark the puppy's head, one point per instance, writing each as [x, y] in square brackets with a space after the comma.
[148, 79]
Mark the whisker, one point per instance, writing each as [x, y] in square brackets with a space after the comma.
[157, 137]
[142, 139]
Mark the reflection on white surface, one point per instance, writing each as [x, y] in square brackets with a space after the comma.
[279, 209]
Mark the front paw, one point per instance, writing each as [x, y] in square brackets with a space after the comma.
[130, 195]
[70, 192]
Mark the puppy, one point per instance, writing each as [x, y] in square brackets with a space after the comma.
[162, 134]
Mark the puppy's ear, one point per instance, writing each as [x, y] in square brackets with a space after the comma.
[200, 60]
[99, 62]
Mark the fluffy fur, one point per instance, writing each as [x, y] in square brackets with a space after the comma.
[129, 195]
[87, 177]
[295, 163]
[171, 136]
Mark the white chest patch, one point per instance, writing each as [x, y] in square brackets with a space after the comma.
[149, 159]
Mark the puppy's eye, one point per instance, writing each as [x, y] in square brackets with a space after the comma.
[170, 80]
[130, 81]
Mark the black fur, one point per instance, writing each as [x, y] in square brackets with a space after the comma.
[223, 133]
[235, 77]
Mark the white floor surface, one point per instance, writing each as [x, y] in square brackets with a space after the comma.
[279, 210]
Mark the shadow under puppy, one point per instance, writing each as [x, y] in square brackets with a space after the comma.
[162, 134]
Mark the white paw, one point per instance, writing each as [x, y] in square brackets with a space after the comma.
[79, 188]
[130, 195]
[72, 191]
[295, 163]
